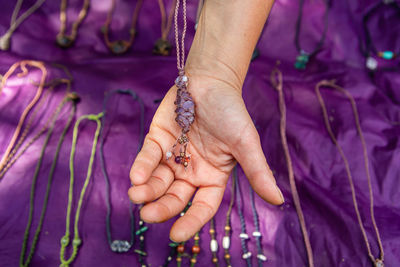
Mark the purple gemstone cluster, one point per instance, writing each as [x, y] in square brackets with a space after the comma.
[184, 104]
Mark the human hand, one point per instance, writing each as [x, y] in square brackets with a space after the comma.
[222, 133]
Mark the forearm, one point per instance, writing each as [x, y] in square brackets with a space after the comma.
[226, 36]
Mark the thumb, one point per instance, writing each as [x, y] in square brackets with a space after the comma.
[249, 154]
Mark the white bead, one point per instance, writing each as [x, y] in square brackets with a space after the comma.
[371, 63]
[141, 238]
[244, 236]
[246, 255]
[213, 245]
[182, 213]
[226, 242]
[185, 78]
[169, 154]
[256, 234]
[261, 257]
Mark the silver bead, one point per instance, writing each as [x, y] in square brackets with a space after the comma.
[371, 63]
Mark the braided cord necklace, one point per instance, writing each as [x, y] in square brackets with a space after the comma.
[378, 262]
[243, 235]
[226, 240]
[277, 83]
[121, 46]
[23, 65]
[185, 107]
[162, 46]
[64, 40]
[14, 155]
[5, 39]
[257, 234]
[213, 243]
[118, 245]
[65, 240]
[304, 57]
[370, 49]
[22, 262]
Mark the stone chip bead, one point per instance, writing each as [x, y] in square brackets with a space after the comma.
[181, 80]
[213, 245]
[168, 154]
[261, 257]
[120, 246]
[226, 242]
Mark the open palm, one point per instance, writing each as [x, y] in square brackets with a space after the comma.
[222, 133]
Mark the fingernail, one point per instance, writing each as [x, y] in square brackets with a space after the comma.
[280, 193]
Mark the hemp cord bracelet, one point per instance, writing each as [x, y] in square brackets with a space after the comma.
[118, 246]
[277, 83]
[65, 240]
[378, 262]
[121, 46]
[22, 262]
[64, 40]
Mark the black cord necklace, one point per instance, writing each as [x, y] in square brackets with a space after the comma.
[370, 50]
[303, 57]
[119, 246]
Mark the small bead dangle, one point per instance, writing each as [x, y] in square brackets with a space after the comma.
[302, 60]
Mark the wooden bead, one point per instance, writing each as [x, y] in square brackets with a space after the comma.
[180, 248]
[196, 237]
[185, 163]
[178, 259]
[195, 249]
[215, 260]
[212, 231]
[227, 228]
[193, 260]
[227, 256]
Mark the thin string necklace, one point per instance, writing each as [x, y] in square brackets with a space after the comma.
[226, 240]
[23, 65]
[213, 243]
[73, 97]
[64, 40]
[121, 46]
[185, 106]
[243, 235]
[304, 57]
[14, 155]
[65, 240]
[257, 233]
[118, 245]
[370, 49]
[277, 83]
[162, 46]
[5, 39]
[378, 262]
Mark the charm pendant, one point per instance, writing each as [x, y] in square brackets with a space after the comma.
[120, 246]
[185, 114]
[378, 263]
[64, 41]
[5, 42]
[302, 60]
[162, 47]
[119, 47]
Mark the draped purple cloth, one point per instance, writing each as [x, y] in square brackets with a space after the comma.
[319, 171]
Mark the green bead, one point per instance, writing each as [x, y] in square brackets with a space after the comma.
[173, 245]
[387, 55]
[141, 230]
[140, 252]
[301, 61]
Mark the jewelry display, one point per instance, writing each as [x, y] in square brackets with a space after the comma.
[277, 84]
[370, 50]
[257, 233]
[121, 46]
[243, 234]
[65, 240]
[378, 262]
[118, 246]
[185, 107]
[64, 40]
[163, 46]
[303, 57]
[73, 98]
[5, 39]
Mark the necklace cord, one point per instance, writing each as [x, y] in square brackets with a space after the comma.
[333, 85]
[75, 26]
[180, 49]
[277, 83]
[228, 231]
[166, 23]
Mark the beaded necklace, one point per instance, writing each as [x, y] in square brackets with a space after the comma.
[226, 240]
[185, 107]
[243, 235]
[257, 234]
[121, 46]
[141, 251]
[277, 83]
[369, 50]
[63, 39]
[378, 262]
[5, 39]
[65, 240]
[118, 245]
[213, 243]
[304, 57]
[73, 97]
[163, 46]
[23, 65]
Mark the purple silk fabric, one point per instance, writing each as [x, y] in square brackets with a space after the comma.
[319, 171]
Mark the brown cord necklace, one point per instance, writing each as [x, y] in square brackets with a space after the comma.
[163, 46]
[277, 83]
[64, 40]
[120, 46]
[378, 262]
